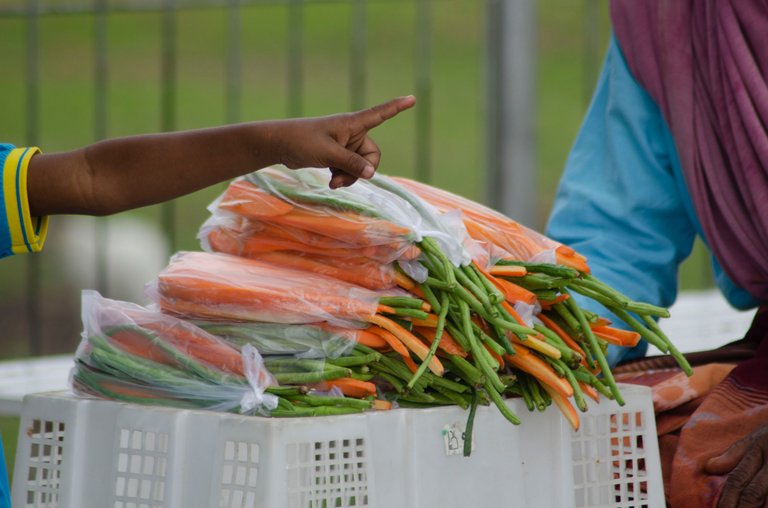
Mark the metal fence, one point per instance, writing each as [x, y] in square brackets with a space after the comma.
[509, 104]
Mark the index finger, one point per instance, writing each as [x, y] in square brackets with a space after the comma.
[375, 116]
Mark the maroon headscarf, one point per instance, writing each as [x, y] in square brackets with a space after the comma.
[705, 64]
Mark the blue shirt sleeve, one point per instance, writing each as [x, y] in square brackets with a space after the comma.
[20, 232]
[621, 201]
[5, 231]
[5, 491]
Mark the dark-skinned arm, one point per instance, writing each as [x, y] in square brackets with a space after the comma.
[124, 173]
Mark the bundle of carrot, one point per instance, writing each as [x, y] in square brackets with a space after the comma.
[507, 238]
[471, 333]
[133, 354]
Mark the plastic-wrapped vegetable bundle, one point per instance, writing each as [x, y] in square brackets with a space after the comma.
[240, 237]
[133, 354]
[295, 211]
[213, 286]
[220, 287]
[511, 239]
[246, 211]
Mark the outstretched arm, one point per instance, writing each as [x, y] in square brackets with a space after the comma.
[124, 173]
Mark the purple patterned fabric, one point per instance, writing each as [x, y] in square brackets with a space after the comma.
[705, 63]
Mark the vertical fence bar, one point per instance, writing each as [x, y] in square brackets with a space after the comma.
[234, 74]
[168, 103]
[295, 57]
[34, 323]
[591, 47]
[424, 90]
[358, 52]
[100, 121]
[511, 182]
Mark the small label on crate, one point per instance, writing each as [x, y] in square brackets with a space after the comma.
[453, 437]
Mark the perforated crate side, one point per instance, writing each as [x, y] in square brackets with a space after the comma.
[44, 454]
[615, 454]
[509, 465]
[165, 458]
[293, 463]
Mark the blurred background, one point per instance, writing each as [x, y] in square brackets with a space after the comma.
[501, 88]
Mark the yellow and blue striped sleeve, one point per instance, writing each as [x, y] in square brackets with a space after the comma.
[19, 231]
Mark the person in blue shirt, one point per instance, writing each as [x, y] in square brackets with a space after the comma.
[674, 146]
[120, 174]
[607, 208]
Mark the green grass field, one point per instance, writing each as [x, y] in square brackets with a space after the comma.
[67, 115]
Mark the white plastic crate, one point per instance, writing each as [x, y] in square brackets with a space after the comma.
[76, 453]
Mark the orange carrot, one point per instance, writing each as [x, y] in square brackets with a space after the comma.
[410, 341]
[513, 313]
[347, 226]
[496, 356]
[252, 243]
[508, 271]
[361, 271]
[138, 343]
[564, 405]
[129, 389]
[601, 321]
[200, 345]
[485, 224]
[590, 391]
[233, 288]
[396, 345]
[371, 340]
[573, 262]
[350, 387]
[506, 290]
[537, 345]
[616, 336]
[561, 333]
[447, 343]
[547, 304]
[418, 292]
[382, 405]
[410, 364]
[384, 309]
[514, 293]
[404, 281]
[526, 361]
[390, 339]
[247, 200]
[430, 322]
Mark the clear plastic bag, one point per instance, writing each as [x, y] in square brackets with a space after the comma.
[508, 239]
[234, 234]
[376, 213]
[134, 354]
[220, 287]
[301, 341]
[259, 199]
[369, 266]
